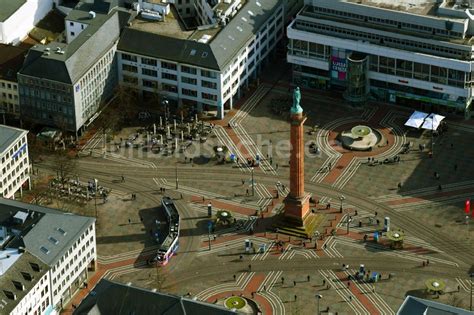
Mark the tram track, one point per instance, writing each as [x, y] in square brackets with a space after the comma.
[460, 251]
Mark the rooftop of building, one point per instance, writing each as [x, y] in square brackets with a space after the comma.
[109, 297]
[46, 233]
[67, 63]
[11, 60]
[210, 46]
[8, 136]
[411, 34]
[416, 306]
[9, 7]
[19, 279]
[421, 7]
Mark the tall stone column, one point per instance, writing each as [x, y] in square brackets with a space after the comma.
[297, 201]
[297, 156]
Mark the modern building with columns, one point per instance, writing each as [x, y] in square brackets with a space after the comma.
[416, 53]
[205, 67]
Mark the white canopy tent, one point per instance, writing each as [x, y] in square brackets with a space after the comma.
[432, 122]
[416, 119]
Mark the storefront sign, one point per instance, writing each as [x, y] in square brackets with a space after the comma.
[338, 68]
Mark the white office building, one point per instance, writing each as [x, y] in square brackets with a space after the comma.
[64, 84]
[206, 67]
[49, 254]
[15, 165]
[18, 18]
[416, 53]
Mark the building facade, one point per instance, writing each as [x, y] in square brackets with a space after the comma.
[11, 60]
[64, 84]
[64, 247]
[15, 165]
[208, 67]
[415, 54]
[18, 17]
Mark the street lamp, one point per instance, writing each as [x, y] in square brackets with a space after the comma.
[176, 172]
[318, 297]
[341, 198]
[95, 196]
[253, 184]
[349, 220]
[166, 103]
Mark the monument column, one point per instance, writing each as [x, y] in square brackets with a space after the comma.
[297, 201]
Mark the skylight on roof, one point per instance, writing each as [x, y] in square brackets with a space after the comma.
[193, 52]
[244, 19]
[204, 55]
[251, 13]
[61, 231]
[53, 240]
[259, 4]
[239, 28]
[44, 250]
[230, 37]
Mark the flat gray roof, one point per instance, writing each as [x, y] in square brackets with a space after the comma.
[416, 306]
[37, 238]
[164, 40]
[109, 297]
[422, 7]
[9, 135]
[79, 55]
[8, 7]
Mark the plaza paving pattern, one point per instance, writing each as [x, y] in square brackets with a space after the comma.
[284, 280]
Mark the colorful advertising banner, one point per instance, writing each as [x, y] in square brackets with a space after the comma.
[467, 206]
[338, 68]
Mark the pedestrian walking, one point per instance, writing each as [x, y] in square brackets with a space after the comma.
[243, 181]
[264, 288]
[247, 191]
[376, 213]
[455, 167]
[276, 166]
[294, 283]
[250, 267]
[350, 298]
[324, 282]
[399, 185]
[129, 221]
[235, 277]
[123, 179]
[282, 280]
[295, 297]
[308, 277]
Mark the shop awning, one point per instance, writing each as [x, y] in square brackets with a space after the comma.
[432, 122]
[416, 119]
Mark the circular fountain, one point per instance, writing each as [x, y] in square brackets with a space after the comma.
[360, 138]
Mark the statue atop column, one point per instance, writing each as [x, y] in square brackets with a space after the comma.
[296, 108]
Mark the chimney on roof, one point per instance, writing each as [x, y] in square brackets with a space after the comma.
[91, 14]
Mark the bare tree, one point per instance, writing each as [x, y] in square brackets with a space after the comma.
[64, 165]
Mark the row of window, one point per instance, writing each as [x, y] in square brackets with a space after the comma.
[419, 71]
[10, 86]
[386, 22]
[404, 44]
[15, 147]
[164, 64]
